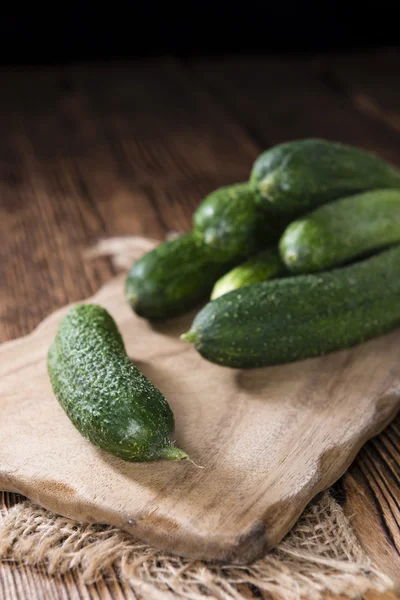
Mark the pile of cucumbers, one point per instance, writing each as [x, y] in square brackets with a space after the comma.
[301, 260]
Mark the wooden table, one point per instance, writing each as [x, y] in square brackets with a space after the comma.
[113, 149]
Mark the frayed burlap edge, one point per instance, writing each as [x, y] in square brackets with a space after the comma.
[319, 556]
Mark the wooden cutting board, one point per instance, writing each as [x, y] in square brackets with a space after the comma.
[268, 439]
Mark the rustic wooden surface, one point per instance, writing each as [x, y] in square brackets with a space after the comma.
[262, 461]
[107, 150]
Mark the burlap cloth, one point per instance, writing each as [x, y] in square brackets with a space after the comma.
[320, 555]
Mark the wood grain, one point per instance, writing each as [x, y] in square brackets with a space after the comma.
[370, 82]
[84, 163]
[370, 490]
[73, 151]
[268, 439]
[307, 101]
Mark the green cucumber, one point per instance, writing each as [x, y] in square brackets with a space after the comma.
[173, 278]
[343, 230]
[302, 316]
[177, 275]
[260, 267]
[104, 395]
[231, 224]
[295, 177]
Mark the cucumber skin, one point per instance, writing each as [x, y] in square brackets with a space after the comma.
[295, 177]
[104, 395]
[260, 267]
[343, 230]
[302, 316]
[230, 222]
[173, 278]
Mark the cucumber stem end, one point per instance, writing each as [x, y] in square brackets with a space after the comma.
[173, 453]
[189, 336]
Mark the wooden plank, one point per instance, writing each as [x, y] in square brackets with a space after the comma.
[171, 142]
[371, 81]
[46, 218]
[373, 500]
[18, 582]
[278, 99]
[89, 152]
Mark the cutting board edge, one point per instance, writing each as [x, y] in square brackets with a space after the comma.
[242, 549]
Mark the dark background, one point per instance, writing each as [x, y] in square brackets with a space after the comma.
[135, 29]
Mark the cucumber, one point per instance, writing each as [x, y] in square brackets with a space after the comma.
[295, 177]
[104, 395]
[343, 230]
[302, 316]
[260, 267]
[173, 278]
[232, 225]
[177, 275]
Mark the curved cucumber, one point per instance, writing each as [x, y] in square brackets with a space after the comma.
[104, 395]
[301, 316]
[230, 222]
[295, 177]
[260, 267]
[338, 232]
[173, 278]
